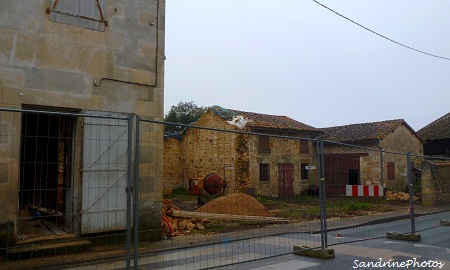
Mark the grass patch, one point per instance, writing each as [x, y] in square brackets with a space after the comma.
[180, 193]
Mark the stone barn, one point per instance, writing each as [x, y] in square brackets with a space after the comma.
[437, 137]
[270, 163]
[354, 163]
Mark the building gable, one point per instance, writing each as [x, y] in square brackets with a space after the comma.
[374, 131]
[264, 121]
[437, 130]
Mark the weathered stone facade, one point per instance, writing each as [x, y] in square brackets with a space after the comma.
[51, 65]
[173, 174]
[235, 156]
[390, 148]
[435, 182]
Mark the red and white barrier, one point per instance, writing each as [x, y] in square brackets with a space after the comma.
[361, 190]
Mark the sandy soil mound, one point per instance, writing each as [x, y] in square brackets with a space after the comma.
[236, 204]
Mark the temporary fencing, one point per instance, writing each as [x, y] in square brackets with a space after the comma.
[110, 186]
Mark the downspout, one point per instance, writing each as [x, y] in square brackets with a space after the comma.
[381, 163]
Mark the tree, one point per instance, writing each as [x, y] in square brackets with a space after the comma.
[183, 113]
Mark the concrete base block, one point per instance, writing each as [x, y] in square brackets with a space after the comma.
[403, 236]
[316, 253]
[444, 222]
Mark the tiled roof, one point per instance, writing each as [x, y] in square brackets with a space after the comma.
[258, 120]
[361, 132]
[439, 129]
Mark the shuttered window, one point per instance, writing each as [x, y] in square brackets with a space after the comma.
[83, 13]
[264, 144]
[391, 170]
[304, 147]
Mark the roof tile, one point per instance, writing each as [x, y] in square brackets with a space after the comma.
[361, 132]
[438, 129]
[258, 120]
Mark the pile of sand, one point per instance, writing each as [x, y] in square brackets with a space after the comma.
[236, 204]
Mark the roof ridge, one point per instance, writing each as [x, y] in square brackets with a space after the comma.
[435, 121]
[261, 120]
[366, 123]
[363, 131]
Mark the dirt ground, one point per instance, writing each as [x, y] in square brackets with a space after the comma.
[299, 208]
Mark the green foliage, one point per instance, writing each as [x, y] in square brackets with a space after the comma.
[183, 113]
[347, 206]
[358, 206]
[182, 193]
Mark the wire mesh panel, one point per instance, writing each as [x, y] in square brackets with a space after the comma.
[431, 186]
[105, 191]
[384, 190]
[65, 177]
[231, 196]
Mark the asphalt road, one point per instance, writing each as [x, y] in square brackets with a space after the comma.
[263, 253]
[433, 250]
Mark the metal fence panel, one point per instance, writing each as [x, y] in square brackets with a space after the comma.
[64, 186]
[91, 182]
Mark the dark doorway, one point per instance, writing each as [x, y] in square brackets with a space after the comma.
[45, 165]
[353, 177]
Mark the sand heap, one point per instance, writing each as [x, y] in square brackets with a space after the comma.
[236, 204]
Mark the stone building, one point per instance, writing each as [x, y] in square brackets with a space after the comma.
[437, 137]
[84, 57]
[275, 162]
[370, 154]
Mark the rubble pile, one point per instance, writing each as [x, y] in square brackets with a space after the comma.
[234, 204]
[399, 196]
[174, 226]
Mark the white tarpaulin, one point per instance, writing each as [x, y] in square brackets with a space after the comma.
[238, 121]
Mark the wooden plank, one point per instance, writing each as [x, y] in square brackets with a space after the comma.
[187, 214]
[53, 228]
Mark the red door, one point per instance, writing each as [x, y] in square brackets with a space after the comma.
[286, 180]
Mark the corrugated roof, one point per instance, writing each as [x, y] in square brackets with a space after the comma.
[258, 120]
[362, 132]
[438, 129]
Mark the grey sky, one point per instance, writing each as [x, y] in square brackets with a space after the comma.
[295, 58]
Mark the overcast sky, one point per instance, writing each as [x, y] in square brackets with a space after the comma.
[296, 58]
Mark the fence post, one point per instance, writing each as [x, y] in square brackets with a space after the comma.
[382, 167]
[322, 199]
[136, 192]
[411, 193]
[129, 176]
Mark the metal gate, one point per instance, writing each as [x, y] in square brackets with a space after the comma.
[104, 180]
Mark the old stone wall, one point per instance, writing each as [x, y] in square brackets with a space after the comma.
[394, 147]
[403, 141]
[173, 164]
[282, 151]
[207, 151]
[435, 182]
[234, 156]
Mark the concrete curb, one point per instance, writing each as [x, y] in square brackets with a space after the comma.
[444, 222]
[316, 253]
[379, 221]
[401, 236]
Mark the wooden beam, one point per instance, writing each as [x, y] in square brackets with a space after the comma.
[187, 214]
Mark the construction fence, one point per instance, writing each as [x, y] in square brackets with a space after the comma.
[97, 190]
